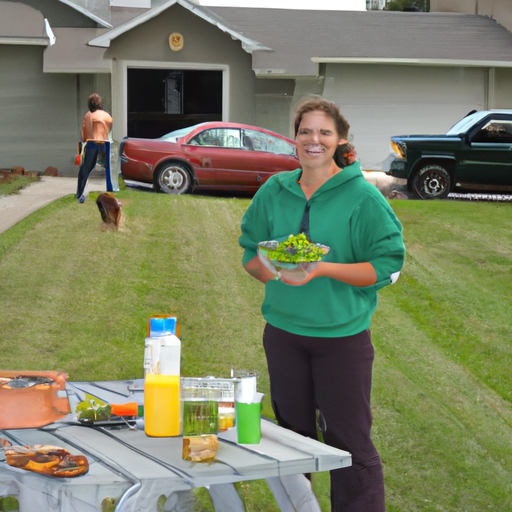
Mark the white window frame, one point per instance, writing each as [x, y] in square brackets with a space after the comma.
[130, 64]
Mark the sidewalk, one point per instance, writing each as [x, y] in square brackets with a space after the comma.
[16, 207]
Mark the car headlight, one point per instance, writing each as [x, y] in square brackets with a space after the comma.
[398, 149]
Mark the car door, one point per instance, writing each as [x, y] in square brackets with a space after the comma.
[263, 154]
[486, 157]
[211, 151]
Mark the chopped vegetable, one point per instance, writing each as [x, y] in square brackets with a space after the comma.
[298, 249]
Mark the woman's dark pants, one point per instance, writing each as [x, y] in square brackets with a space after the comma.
[333, 376]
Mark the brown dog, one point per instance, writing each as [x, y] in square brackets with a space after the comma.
[110, 209]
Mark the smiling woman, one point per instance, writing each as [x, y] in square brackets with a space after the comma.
[319, 131]
[317, 140]
[317, 342]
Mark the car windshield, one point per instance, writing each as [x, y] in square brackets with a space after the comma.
[177, 134]
[463, 125]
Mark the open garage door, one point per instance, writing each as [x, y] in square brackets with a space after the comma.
[163, 100]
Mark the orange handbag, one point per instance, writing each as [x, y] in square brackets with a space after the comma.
[80, 153]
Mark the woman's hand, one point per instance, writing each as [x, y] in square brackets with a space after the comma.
[257, 270]
[296, 277]
[355, 274]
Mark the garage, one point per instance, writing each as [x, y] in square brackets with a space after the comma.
[163, 100]
[384, 100]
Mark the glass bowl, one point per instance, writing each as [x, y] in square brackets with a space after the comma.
[295, 272]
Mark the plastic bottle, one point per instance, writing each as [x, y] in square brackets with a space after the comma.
[162, 354]
[160, 325]
[170, 355]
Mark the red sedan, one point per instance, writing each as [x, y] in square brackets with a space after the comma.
[208, 156]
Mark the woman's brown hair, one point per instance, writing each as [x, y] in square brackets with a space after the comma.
[311, 103]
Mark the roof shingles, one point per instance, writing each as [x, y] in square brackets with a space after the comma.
[296, 37]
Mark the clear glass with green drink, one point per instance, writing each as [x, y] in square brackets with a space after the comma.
[200, 423]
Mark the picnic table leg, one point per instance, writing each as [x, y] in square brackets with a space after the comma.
[225, 498]
[293, 493]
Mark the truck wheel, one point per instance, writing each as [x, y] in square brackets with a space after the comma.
[432, 181]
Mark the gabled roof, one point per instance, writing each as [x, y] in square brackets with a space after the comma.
[287, 42]
[96, 11]
[159, 6]
[21, 24]
[300, 40]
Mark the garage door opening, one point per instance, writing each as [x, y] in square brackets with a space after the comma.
[163, 100]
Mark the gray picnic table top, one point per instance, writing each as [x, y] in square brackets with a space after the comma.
[126, 464]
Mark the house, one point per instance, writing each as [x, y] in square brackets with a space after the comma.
[497, 9]
[164, 64]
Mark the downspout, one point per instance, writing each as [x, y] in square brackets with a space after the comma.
[490, 88]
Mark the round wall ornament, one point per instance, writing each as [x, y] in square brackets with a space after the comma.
[176, 42]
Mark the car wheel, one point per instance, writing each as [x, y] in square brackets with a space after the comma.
[432, 182]
[173, 178]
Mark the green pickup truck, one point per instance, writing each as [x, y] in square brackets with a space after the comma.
[475, 154]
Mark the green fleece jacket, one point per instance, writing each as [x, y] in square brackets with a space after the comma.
[349, 215]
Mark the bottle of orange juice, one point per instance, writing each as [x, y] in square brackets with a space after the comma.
[162, 389]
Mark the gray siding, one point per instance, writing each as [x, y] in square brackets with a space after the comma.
[38, 112]
[502, 89]
[273, 105]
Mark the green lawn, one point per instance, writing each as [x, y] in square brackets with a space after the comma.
[77, 298]
[13, 184]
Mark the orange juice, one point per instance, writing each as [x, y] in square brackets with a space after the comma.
[162, 405]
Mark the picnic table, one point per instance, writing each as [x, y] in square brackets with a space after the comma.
[136, 470]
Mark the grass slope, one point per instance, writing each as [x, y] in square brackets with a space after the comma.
[76, 298]
[13, 185]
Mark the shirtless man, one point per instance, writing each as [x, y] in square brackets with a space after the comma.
[96, 126]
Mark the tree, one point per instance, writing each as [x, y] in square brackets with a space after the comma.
[408, 5]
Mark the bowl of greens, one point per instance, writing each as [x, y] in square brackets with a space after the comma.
[295, 253]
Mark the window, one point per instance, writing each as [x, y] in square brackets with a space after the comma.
[221, 137]
[495, 131]
[260, 141]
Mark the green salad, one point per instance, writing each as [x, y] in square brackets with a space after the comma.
[297, 249]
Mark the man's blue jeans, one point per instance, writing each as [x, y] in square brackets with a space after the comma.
[92, 151]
